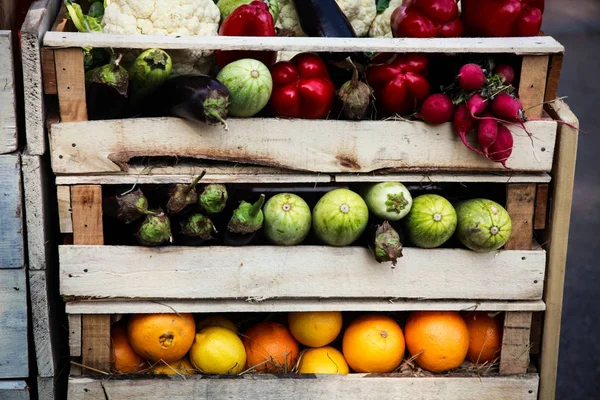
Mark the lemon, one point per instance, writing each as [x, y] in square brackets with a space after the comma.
[323, 360]
[216, 320]
[315, 329]
[218, 350]
[183, 367]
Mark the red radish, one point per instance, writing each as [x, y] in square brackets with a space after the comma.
[502, 148]
[471, 77]
[507, 72]
[437, 109]
[463, 123]
[504, 106]
[476, 105]
[487, 131]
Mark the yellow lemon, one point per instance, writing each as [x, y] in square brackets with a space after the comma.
[323, 360]
[216, 320]
[315, 329]
[218, 350]
[182, 367]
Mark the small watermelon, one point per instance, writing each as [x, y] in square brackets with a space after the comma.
[431, 221]
[287, 219]
[483, 225]
[340, 217]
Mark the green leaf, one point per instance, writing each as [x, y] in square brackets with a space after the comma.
[96, 10]
[382, 5]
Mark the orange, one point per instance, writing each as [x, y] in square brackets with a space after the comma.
[218, 350]
[122, 357]
[485, 336]
[315, 329]
[270, 348]
[323, 360]
[181, 367]
[373, 343]
[166, 337]
[440, 338]
[216, 320]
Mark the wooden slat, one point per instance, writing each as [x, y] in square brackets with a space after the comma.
[532, 84]
[520, 202]
[13, 324]
[70, 84]
[95, 342]
[556, 243]
[86, 206]
[554, 69]
[41, 318]
[99, 147]
[14, 390]
[297, 272]
[64, 209]
[8, 106]
[541, 206]
[49, 71]
[514, 356]
[354, 386]
[75, 335]
[119, 306]
[537, 320]
[61, 19]
[523, 45]
[11, 213]
[46, 388]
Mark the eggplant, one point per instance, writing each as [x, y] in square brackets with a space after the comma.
[386, 245]
[246, 220]
[193, 97]
[182, 195]
[155, 230]
[149, 72]
[128, 207]
[196, 230]
[106, 91]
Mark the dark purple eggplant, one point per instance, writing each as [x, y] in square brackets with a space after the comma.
[106, 91]
[386, 244]
[193, 97]
[323, 18]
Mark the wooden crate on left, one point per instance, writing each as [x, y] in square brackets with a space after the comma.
[13, 320]
[8, 108]
[11, 212]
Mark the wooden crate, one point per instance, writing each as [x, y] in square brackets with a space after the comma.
[11, 212]
[8, 106]
[14, 361]
[14, 390]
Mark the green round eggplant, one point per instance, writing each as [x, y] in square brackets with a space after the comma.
[483, 225]
[431, 221]
[287, 219]
[340, 217]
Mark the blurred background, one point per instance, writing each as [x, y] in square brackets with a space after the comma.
[576, 24]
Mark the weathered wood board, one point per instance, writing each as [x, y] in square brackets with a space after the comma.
[14, 390]
[8, 107]
[42, 323]
[11, 212]
[13, 324]
[307, 145]
[297, 272]
[268, 387]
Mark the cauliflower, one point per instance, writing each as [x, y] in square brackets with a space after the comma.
[360, 13]
[167, 17]
[381, 27]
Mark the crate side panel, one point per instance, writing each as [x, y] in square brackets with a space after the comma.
[8, 112]
[13, 320]
[11, 213]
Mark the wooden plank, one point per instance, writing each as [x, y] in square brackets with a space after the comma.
[117, 306]
[514, 356]
[99, 147]
[556, 243]
[75, 335]
[70, 84]
[13, 320]
[353, 386]
[520, 202]
[49, 71]
[39, 210]
[532, 84]
[554, 69]
[46, 389]
[86, 206]
[39, 19]
[14, 390]
[535, 336]
[11, 213]
[296, 272]
[541, 206]
[61, 20]
[41, 317]
[95, 342]
[523, 45]
[8, 106]
[64, 209]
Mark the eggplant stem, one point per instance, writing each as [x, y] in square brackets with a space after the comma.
[194, 183]
[218, 117]
[254, 210]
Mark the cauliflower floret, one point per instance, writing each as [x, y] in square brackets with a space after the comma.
[381, 27]
[288, 23]
[167, 17]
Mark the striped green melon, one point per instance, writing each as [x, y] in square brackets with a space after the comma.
[287, 219]
[250, 85]
[483, 225]
[431, 221]
[340, 217]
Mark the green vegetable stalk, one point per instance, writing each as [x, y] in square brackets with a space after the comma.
[213, 198]
[198, 226]
[386, 246]
[155, 230]
[182, 195]
[247, 218]
[148, 72]
[127, 208]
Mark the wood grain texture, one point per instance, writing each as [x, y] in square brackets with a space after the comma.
[13, 322]
[541, 206]
[556, 61]
[514, 356]
[532, 84]
[522, 45]
[296, 272]
[319, 146]
[520, 204]
[49, 72]
[95, 341]
[11, 212]
[64, 209]
[8, 106]
[75, 335]
[86, 206]
[40, 316]
[70, 84]
[46, 388]
[14, 390]
[353, 386]
[120, 306]
[557, 235]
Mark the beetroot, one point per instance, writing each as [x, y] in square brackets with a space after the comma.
[477, 105]
[471, 77]
[437, 109]
[502, 148]
[463, 123]
[507, 72]
[487, 132]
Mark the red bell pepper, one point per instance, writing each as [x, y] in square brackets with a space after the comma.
[252, 19]
[301, 88]
[399, 82]
[499, 18]
[426, 19]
